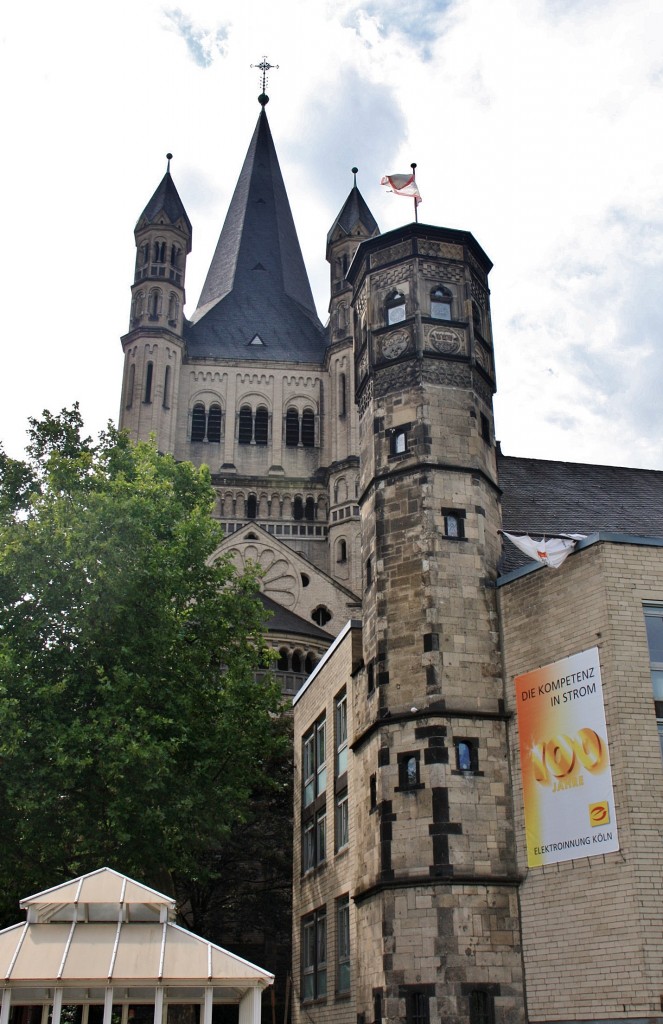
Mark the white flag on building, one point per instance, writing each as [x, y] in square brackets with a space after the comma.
[549, 550]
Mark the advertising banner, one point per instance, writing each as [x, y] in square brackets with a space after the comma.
[564, 760]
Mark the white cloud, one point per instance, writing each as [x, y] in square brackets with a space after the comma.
[533, 123]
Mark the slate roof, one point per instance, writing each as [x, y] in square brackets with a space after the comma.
[284, 621]
[166, 199]
[257, 283]
[353, 212]
[547, 497]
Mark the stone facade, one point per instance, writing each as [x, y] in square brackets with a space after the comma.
[356, 465]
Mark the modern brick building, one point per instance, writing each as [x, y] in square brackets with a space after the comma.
[357, 464]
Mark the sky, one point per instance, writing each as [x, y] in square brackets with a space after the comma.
[535, 124]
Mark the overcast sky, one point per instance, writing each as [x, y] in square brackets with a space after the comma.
[535, 124]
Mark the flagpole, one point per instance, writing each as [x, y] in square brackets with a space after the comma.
[414, 200]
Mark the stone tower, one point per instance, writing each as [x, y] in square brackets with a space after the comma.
[354, 224]
[437, 882]
[153, 347]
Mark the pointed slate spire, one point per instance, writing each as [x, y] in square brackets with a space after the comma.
[257, 282]
[165, 200]
[354, 214]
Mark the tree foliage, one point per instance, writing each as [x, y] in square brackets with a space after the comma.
[132, 728]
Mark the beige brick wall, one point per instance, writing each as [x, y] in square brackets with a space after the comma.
[593, 927]
[323, 886]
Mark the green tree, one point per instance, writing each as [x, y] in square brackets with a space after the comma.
[132, 729]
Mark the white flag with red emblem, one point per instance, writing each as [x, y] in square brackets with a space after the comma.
[550, 551]
[402, 185]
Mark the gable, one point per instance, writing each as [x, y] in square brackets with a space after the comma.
[289, 578]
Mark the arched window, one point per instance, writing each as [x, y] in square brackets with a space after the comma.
[283, 664]
[130, 385]
[342, 395]
[214, 423]
[309, 663]
[145, 252]
[262, 425]
[309, 510]
[245, 425]
[341, 551]
[174, 256]
[298, 509]
[139, 305]
[198, 422]
[440, 303]
[160, 252]
[149, 372]
[395, 307]
[308, 428]
[251, 506]
[155, 304]
[292, 428]
[166, 388]
[296, 661]
[173, 309]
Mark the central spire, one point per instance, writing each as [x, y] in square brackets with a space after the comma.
[257, 282]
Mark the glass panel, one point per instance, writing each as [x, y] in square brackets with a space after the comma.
[464, 757]
[321, 827]
[451, 526]
[654, 624]
[411, 771]
[395, 314]
[657, 684]
[440, 310]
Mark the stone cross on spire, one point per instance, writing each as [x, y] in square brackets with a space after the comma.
[264, 67]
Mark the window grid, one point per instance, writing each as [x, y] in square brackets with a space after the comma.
[314, 956]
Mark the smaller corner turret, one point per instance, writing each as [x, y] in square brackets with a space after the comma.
[153, 347]
[163, 241]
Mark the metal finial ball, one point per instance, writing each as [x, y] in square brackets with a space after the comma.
[169, 156]
[263, 99]
[355, 170]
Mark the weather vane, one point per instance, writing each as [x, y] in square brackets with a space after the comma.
[264, 67]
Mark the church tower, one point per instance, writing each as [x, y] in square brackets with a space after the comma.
[437, 883]
[153, 347]
[355, 223]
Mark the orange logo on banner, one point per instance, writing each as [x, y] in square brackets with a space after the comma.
[599, 814]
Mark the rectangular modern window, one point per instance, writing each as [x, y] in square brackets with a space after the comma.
[654, 624]
[342, 733]
[343, 945]
[314, 840]
[314, 956]
[314, 775]
[314, 769]
[342, 823]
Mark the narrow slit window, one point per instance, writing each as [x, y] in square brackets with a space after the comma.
[262, 425]
[149, 371]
